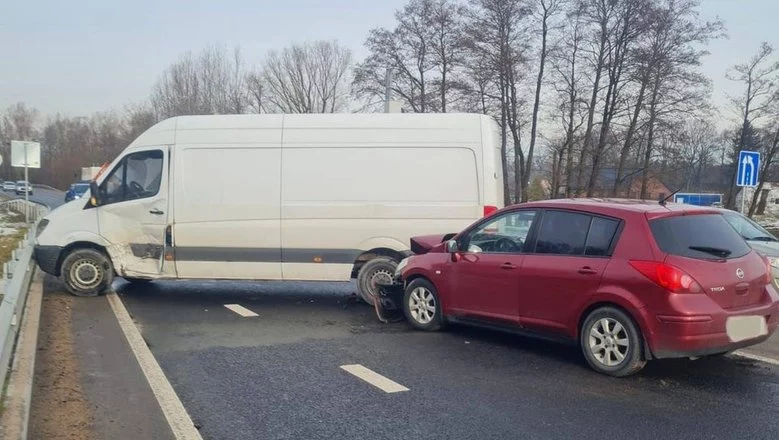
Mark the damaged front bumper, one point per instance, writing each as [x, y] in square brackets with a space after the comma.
[389, 304]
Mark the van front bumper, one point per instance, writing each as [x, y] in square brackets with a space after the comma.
[47, 258]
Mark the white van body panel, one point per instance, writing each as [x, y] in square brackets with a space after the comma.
[298, 197]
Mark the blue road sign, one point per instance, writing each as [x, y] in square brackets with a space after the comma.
[748, 167]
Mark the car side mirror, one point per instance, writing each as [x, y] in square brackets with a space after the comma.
[94, 194]
[452, 246]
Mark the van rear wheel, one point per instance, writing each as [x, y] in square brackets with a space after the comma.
[377, 270]
[87, 272]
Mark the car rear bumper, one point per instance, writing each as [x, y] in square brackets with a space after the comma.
[47, 258]
[699, 335]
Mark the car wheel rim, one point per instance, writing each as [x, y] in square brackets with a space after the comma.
[421, 304]
[381, 276]
[86, 274]
[609, 342]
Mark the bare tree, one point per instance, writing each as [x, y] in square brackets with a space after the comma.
[759, 77]
[546, 9]
[309, 78]
[209, 83]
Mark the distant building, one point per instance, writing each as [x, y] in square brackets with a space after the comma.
[630, 185]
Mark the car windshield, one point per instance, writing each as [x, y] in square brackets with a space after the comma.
[702, 236]
[747, 227]
[80, 187]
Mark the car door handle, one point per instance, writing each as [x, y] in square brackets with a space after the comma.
[507, 266]
[587, 270]
[155, 211]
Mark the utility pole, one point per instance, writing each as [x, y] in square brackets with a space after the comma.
[387, 89]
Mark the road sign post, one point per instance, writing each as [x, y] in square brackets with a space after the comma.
[748, 169]
[27, 155]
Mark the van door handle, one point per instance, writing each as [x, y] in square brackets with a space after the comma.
[507, 266]
[155, 211]
[587, 270]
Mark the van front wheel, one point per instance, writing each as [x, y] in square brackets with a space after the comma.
[87, 272]
[375, 271]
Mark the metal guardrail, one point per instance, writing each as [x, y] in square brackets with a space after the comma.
[17, 274]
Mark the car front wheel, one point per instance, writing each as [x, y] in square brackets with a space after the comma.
[422, 306]
[612, 343]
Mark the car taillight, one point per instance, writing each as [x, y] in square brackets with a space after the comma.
[489, 209]
[769, 273]
[668, 277]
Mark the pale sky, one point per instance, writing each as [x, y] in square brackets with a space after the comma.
[81, 56]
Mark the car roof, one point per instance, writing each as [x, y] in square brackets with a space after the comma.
[606, 206]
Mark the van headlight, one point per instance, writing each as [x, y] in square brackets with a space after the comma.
[403, 263]
[774, 261]
[41, 226]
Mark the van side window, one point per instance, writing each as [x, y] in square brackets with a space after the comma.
[137, 176]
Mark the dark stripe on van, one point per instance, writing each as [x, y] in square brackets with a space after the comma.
[267, 255]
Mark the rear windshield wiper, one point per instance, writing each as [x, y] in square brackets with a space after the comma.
[717, 252]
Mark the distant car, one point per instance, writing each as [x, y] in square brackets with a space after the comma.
[9, 185]
[628, 280]
[23, 187]
[757, 237]
[76, 191]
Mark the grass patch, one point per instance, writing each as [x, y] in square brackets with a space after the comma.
[9, 243]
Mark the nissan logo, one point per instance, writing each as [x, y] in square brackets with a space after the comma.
[740, 273]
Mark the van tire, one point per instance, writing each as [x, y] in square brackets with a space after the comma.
[627, 332]
[377, 269]
[95, 268]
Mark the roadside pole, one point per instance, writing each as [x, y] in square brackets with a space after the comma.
[27, 187]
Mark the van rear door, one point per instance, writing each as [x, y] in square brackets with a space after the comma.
[707, 248]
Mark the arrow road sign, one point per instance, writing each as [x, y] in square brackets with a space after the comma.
[748, 168]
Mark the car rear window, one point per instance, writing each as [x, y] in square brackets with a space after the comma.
[703, 236]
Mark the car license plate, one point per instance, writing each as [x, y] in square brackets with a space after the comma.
[741, 328]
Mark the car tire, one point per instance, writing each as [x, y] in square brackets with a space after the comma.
[380, 269]
[87, 272]
[612, 343]
[422, 306]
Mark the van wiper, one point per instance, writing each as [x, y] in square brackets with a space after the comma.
[762, 238]
[717, 252]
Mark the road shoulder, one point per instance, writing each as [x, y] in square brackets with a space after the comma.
[88, 384]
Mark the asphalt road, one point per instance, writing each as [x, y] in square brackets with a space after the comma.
[277, 375]
[49, 197]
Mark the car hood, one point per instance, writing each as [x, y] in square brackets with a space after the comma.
[768, 248]
[423, 244]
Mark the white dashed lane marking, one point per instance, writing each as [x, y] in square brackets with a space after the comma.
[374, 378]
[756, 357]
[241, 310]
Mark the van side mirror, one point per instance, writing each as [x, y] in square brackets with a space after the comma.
[94, 194]
[452, 247]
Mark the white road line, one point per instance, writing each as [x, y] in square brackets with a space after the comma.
[241, 310]
[756, 357]
[374, 378]
[175, 413]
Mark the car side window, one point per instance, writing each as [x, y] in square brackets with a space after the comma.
[601, 235]
[505, 234]
[137, 176]
[563, 233]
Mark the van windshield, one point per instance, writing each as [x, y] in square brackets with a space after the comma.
[703, 236]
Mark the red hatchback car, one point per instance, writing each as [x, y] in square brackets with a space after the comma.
[629, 280]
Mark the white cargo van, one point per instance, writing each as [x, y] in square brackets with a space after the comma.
[275, 197]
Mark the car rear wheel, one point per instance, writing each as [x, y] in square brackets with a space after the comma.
[421, 305]
[87, 272]
[375, 271]
[612, 343]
